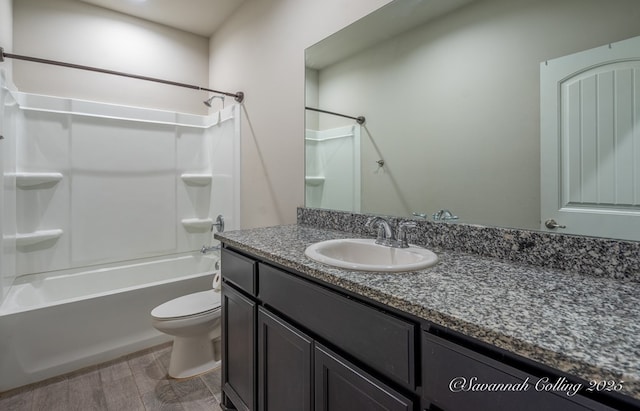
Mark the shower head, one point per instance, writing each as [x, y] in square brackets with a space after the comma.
[208, 101]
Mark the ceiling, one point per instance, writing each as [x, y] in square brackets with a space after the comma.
[381, 25]
[201, 17]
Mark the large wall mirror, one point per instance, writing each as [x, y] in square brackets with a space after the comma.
[451, 93]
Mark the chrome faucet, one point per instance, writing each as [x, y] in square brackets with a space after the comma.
[444, 215]
[386, 235]
[206, 250]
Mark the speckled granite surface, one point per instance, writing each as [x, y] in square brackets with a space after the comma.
[585, 325]
[586, 255]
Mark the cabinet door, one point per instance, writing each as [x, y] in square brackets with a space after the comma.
[377, 339]
[240, 271]
[455, 378]
[339, 385]
[284, 365]
[238, 348]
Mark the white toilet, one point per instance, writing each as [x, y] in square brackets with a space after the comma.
[194, 321]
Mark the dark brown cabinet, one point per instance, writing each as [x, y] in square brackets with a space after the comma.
[240, 271]
[456, 378]
[342, 386]
[298, 374]
[378, 339]
[238, 349]
[284, 365]
[291, 343]
[275, 327]
[239, 315]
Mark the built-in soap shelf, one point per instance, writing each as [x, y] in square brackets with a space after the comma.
[37, 180]
[24, 180]
[195, 179]
[35, 237]
[314, 180]
[199, 224]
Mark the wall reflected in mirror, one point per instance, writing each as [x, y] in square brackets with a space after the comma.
[452, 105]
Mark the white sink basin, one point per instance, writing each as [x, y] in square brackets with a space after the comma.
[366, 255]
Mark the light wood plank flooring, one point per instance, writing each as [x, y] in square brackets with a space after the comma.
[135, 382]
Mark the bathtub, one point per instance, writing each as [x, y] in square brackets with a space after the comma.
[57, 322]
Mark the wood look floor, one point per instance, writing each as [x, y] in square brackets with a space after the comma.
[135, 382]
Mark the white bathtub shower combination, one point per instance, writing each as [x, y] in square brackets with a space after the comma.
[61, 321]
[113, 206]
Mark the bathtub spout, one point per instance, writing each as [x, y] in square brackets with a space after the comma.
[205, 249]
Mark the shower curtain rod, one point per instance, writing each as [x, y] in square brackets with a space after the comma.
[239, 96]
[360, 119]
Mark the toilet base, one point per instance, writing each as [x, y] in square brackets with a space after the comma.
[191, 356]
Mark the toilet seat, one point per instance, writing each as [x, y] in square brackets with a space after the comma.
[188, 306]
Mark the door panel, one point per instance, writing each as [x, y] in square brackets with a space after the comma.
[590, 141]
[238, 348]
[284, 365]
[346, 323]
[340, 385]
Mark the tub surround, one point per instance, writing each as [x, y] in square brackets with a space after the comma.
[65, 160]
[583, 325]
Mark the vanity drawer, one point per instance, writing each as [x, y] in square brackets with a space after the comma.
[456, 378]
[377, 339]
[239, 270]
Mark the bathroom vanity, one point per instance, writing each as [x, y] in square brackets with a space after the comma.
[471, 333]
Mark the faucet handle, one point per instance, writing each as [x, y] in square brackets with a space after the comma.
[401, 233]
[407, 224]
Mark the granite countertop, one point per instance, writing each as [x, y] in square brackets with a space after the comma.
[583, 325]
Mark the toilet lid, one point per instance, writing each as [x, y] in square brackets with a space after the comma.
[187, 305]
